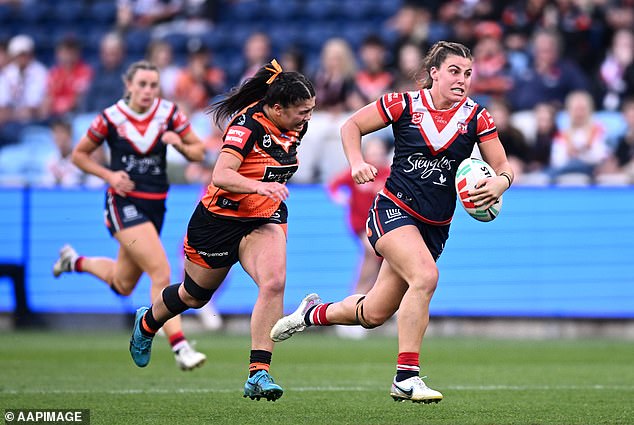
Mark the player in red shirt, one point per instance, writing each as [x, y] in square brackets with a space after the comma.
[68, 80]
[359, 200]
[242, 216]
[434, 130]
[138, 130]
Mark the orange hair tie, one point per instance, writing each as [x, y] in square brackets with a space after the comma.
[276, 70]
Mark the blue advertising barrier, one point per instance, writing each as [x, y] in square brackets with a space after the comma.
[552, 252]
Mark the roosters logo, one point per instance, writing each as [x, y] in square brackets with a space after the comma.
[417, 118]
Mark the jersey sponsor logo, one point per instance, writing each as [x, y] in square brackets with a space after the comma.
[227, 203]
[430, 168]
[237, 136]
[142, 165]
[279, 174]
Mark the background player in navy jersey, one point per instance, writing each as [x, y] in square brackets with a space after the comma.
[434, 130]
[137, 130]
[242, 217]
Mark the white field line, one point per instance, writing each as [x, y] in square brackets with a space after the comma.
[322, 389]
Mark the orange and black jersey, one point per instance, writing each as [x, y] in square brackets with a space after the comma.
[267, 153]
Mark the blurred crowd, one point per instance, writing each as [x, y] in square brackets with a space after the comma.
[557, 77]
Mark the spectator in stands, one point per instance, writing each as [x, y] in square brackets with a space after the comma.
[24, 80]
[411, 24]
[60, 170]
[410, 56]
[550, 78]
[514, 142]
[293, 59]
[256, 53]
[195, 18]
[160, 53]
[611, 79]
[199, 81]
[146, 13]
[358, 199]
[373, 79]
[105, 88]
[68, 80]
[581, 146]
[5, 59]
[545, 131]
[516, 51]
[491, 72]
[620, 165]
[22, 89]
[321, 154]
[580, 30]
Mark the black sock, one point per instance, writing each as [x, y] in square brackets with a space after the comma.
[259, 360]
[151, 323]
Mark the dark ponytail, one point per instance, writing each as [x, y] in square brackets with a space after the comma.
[271, 85]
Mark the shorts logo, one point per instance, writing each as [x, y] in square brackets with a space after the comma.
[393, 213]
[129, 213]
[228, 204]
[212, 254]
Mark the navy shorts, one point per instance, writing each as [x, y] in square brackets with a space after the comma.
[213, 241]
[123, 212]
[385, 215]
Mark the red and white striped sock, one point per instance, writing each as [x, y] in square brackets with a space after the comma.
[407, 366]
[316, 316]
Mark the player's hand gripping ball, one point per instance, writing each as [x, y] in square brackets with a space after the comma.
[470, 172]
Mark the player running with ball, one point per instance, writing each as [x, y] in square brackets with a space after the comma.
[434, 129]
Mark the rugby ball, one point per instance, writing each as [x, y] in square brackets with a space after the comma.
[471, 171]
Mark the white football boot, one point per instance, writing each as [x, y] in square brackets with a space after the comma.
[294, 322]
[187, 358]
[414, 389]
[66, 261]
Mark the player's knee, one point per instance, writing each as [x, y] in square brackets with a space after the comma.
[197, 296]
[273, 286]
[425, 280]
[120, 288]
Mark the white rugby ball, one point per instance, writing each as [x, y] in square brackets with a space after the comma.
[471, 171]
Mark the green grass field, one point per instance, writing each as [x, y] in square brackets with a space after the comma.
[326, 381]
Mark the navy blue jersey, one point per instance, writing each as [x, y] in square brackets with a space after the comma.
[135, 143]
[429, 144]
